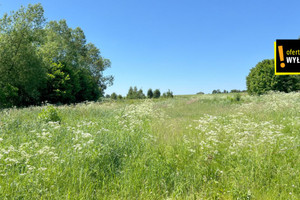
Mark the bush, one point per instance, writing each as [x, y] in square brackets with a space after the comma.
[50, 114]
[237, 97]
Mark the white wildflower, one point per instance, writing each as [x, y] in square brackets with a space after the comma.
[42, 168]
[86, 135]
[90, 141]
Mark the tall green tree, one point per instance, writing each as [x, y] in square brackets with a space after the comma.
[130, 94]
[47, 61]
[134, 93]
[141, 94]
[68, 46]
[169, 94]
[58, 84]
[114, 96]
[21, 67]
[89, 89]
[156, 93]
[150, 93]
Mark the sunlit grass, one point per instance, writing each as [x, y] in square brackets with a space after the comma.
[188, 147]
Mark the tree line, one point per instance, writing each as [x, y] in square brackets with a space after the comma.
[44, 61]
[218, 91]
[134, 93]
[262, 79]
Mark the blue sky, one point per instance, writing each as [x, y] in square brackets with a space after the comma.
[186, 46]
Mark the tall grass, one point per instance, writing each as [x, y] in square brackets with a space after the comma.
[190, 147]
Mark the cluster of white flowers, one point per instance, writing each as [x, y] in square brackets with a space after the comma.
[242, 132]
[273, 101]
[81, 137]
[24, 155]
[239, 132]
[44, 135]
[87, 124]
[102, 130]
[134, 115]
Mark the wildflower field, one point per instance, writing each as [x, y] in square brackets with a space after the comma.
[188, 147]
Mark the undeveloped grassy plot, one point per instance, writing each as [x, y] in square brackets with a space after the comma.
[188, 147]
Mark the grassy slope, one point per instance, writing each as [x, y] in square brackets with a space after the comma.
[189, 147]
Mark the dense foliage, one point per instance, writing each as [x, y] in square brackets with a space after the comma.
[150, 93]
[50, 114]
[114, 96]
[156, 93]
[262, 79]
[47, 61]
[168, 94]
[134, 93]
[218, 91]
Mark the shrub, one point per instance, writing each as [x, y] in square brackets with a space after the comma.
[237, 97]
[50, 114]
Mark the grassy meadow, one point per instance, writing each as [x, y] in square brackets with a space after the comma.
[186, 147]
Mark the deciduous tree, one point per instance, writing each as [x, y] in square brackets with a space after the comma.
[156, 94]
[262, 79]
[150, 93]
